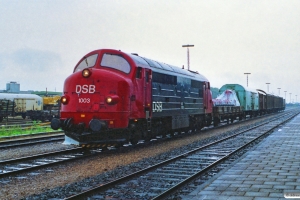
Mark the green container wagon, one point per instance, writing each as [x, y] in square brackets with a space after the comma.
[248, 98]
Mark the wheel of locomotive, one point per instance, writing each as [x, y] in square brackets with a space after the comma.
[143, 132]
[132, 136]
[159, 129]
[134, 140]
[192, 126]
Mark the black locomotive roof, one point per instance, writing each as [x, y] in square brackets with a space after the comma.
[166, 68]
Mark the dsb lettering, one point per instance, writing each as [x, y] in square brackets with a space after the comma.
[85, 89]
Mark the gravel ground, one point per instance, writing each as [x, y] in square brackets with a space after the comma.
[64, 177]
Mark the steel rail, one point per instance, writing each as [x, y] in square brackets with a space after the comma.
[34, 139]
[33, 165]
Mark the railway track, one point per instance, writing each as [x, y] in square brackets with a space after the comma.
[24, 126]
[162, 179]
[29, 163]
[33, 139]
[15, 121]
[25, 164]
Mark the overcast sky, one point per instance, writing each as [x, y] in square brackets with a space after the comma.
[42, 40]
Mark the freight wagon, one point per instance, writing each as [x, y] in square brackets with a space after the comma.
[23, 103]
[6, 108]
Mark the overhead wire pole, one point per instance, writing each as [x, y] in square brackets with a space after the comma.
[188, 54]
[247, 77]
[278, 91]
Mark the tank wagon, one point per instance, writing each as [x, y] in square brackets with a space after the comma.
[23, 103]
[114, 97]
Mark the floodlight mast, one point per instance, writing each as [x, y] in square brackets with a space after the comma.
[188, 53]
[268, 86]
[247, 77]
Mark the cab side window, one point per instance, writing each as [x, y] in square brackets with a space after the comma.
[138, 73]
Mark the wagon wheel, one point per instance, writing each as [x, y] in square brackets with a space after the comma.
[208, 122]
[231, 119]
[42, 118]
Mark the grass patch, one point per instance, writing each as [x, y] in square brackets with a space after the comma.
[18, 130]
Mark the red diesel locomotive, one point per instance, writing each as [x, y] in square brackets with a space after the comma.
[114, 97]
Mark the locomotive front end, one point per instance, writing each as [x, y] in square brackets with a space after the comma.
[96, 101]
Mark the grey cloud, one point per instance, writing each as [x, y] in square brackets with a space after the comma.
[32, 59]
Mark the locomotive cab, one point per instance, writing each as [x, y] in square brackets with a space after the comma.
[104, 96]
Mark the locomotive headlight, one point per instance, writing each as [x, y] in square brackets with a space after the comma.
[64, 100]
[113, 99]
[108, 100]
[86, 73]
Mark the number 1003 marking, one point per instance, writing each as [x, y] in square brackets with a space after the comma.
[84, 100]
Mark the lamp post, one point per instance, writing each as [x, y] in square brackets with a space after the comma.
[285, 94]
[268, 86]
[278, 91]
[290, 97]
[296, 99]
[188, 53]
[247, 77]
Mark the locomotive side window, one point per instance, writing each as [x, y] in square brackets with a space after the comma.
[147, 76]
[138, 73]
[200, 85]
[164, 78]
[196, 84]
[86, 62]
[115, 62]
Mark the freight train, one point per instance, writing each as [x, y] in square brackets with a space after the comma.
[114, 97]
[32, 106]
